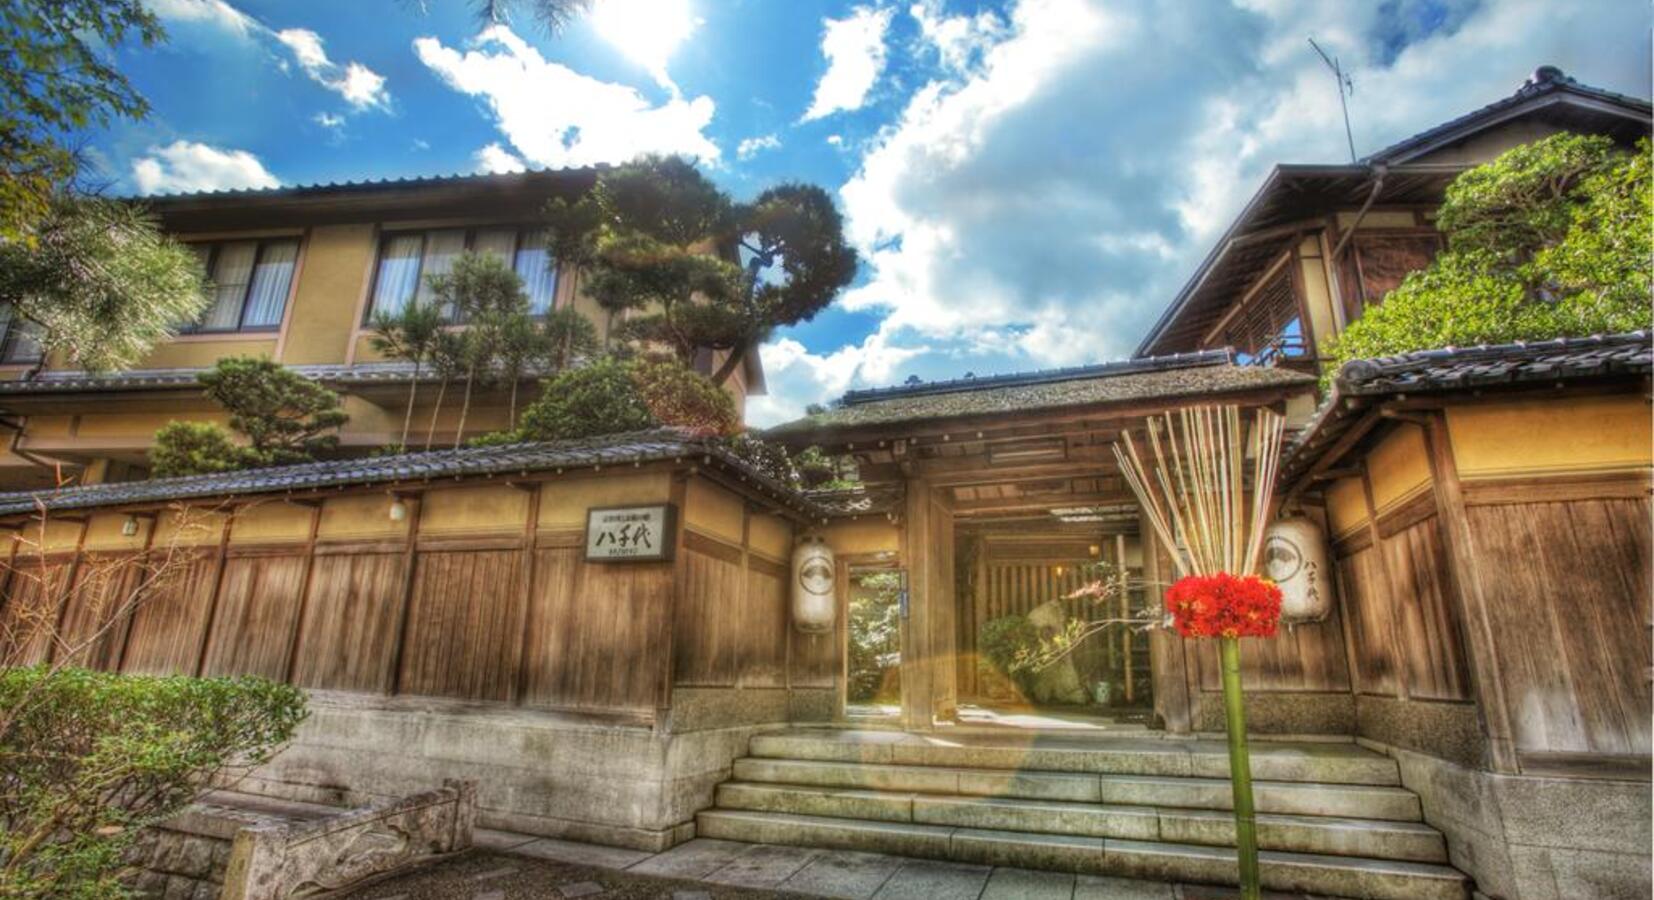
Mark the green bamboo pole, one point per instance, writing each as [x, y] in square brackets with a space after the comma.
[1240, 769]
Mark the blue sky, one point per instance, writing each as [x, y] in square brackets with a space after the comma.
[1029, 181]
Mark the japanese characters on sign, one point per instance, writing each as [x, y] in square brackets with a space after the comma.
[630, 533]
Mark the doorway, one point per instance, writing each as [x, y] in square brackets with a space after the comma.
[873, 652]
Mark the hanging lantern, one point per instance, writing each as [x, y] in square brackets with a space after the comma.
[1295, 557]
[813, 603]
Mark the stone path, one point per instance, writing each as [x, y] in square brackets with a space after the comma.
[838, 873]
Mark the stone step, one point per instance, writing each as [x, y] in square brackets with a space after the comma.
[1320, 762]
[1303, 834]
[1342, 876]
[1291, 798]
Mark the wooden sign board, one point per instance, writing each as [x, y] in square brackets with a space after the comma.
[631, 533]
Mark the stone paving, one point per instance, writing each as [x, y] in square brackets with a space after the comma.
[831, 873]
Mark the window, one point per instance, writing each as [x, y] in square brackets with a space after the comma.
[19, 340]
[250, 282]
[407, 260]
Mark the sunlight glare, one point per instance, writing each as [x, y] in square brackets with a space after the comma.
[645, 31]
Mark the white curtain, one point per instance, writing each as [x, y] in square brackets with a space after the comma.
[231, 272]
[538, 271]
[501, 242]
[441, 247]
[398, 273]
[267, 298]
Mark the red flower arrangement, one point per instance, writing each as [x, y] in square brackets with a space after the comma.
[1224, 605]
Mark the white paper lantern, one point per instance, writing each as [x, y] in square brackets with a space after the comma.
[813, 603]
[1295, 557]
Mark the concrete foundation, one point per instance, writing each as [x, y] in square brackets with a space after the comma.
[1281, 713]
[1525, 837]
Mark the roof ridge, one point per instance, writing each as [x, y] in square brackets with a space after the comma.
[1041, 376]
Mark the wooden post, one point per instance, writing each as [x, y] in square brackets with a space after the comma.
[217, 588]
[410, 556]
[531, 531]
[1166, 658]
[304, 590]
[1125, 613]
[918, 699]
[1468, 587]
[1391, 598]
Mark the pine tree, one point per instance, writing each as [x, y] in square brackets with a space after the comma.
[411, 336]
[285, 416]
[664, 248]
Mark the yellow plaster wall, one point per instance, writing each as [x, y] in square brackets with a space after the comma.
[204, 351]
[1377, 218]
[1317, 297]
[336, 266]
[474, 510]
[770, 535]
[363, 517]
[271, 522]
[189, 528]
[863, 536]
[563, 502]
[1399, 466]
[145, 425]
[51, 536]
[1346, 506]
[103, 532]
[710, 509]
[1555, 436]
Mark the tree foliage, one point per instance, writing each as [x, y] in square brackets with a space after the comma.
[411, 335]
[194, 448]
[57, 80]
[285, 416]
[660, 243]
[1551, 239]
[91, 758]
[101, 282]
[610, 396]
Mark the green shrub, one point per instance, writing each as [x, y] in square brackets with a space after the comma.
[610, 396]
[1006, 644]
[194, 448]
[1552, 239]
[91, 758]
[286, 417]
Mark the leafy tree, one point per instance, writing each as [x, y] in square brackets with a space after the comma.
[569, 337]
[659, 242]
[875, 643]
[100, 282]
[412, 336]
[595, 399]
[611, 395]
[286, 417]
[194, 448]
[92, 758]
[1551, 239]
[553, 15]
[57, 80]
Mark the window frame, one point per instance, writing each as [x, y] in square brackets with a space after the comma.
[518, 230]
[241, 327]
[8, 342]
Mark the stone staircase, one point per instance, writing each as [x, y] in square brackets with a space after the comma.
[1333, 818]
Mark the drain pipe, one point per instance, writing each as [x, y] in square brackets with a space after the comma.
[1379, 170]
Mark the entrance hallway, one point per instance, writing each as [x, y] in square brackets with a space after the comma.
[1333, 820]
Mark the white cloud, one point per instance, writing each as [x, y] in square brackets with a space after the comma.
[646, 31]
[185, 166]
[361, 87]
[1042, 197]
[555, 116]
[752, 146]
[209, 12]
[855, 52]
[494, 158]
[797, 377]
[328, 120]
[836, 140]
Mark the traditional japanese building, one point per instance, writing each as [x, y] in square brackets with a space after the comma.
[1469, 712]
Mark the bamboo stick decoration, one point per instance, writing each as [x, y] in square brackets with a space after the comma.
[1196, 501]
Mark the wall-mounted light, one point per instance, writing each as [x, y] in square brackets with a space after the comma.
[1094, 550]
[1058, 571]
[130, 526]
[399, 510]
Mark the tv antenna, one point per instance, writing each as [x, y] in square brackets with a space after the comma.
[1346, 87]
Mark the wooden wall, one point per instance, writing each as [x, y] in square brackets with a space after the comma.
[477, 594]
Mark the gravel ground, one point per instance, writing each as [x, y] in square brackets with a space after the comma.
[480, 875]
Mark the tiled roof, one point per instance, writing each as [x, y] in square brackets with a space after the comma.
[632, 448]
[75, 381]
[365, 185]
[1151, 378]
[1546, 80]
[1362, 381]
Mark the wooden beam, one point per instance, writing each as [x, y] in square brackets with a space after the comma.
[1042, 502]
[1274, 269]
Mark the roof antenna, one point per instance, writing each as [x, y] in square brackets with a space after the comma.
[1345, 87]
